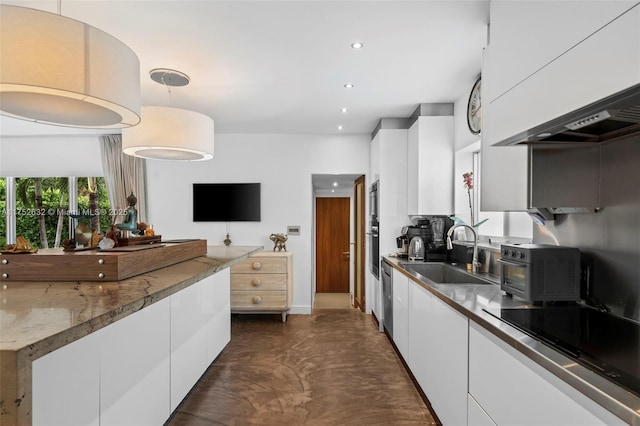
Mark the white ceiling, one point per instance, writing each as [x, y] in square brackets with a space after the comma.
[280, 66]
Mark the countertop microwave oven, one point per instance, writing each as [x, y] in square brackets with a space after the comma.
[540, 273]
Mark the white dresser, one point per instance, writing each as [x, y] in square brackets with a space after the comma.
[262, 283]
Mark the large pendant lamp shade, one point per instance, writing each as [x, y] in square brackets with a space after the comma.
[167, 133]
[56, 70]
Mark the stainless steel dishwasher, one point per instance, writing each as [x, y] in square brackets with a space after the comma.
[387, 298]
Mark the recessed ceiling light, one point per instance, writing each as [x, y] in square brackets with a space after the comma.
[333, 190]
[357, 45]
[340, 127]
[348, 86]
[343, 110]
[335, 183]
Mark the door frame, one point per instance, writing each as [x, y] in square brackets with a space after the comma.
[359, 250]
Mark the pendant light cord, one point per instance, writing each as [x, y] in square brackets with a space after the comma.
[168, 89]
[60, 7]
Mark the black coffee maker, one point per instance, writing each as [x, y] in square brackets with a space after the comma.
[433, 233]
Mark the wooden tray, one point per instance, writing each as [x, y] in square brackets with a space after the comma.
[138, 240]
[94, 265]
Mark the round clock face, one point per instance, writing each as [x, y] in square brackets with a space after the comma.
[474, 111]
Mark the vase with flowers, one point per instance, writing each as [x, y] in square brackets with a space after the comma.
[468, 185]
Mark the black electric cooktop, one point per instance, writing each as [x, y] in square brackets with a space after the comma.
[606, 344]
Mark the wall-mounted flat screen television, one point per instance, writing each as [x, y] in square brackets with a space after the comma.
[226, 202]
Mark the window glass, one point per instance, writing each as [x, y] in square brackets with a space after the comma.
[42, 206]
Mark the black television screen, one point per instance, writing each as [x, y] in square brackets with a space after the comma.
[226, 202]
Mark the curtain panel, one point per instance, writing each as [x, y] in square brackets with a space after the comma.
[123, 173]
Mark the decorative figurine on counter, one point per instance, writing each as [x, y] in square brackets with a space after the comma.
[227, 241]
[130, 222]
[279, 241]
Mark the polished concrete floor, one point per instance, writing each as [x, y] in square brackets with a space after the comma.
[329, 368]
[332, 301]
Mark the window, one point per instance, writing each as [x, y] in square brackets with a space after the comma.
[42, 205]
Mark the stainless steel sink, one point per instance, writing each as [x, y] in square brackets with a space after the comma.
[442, 273]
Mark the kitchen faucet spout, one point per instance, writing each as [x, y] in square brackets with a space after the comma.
[475, 262]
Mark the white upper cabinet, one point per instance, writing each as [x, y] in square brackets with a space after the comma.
[550, 58]
[544, 60]
[430, 166]
[527, 35]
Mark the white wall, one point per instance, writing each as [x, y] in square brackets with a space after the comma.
[284, 165]
[64, 155]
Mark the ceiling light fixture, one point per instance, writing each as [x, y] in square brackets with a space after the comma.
[335, 183]
[167, 133]
[343, 110]
[357, 45]
[340, 127]
[348, 86]
[56, 70]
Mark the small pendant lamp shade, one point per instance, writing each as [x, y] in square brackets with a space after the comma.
[167, 133]
[56, 70]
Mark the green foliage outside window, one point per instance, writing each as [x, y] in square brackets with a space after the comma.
[55, 200]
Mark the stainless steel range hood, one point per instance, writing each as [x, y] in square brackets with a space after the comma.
[609, 118]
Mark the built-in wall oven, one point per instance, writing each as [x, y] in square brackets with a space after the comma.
[374, 238]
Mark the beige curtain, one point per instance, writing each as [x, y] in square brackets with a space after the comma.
[123, 174]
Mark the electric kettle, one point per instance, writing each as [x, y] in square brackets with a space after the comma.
[416, 249]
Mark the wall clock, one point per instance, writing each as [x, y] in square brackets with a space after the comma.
[474, 111]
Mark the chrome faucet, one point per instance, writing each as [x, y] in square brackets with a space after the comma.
[475, 263]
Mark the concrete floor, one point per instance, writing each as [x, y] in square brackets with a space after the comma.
[329, 368]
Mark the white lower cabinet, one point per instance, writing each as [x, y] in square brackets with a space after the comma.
[138, 369]
[401, 313]
[476, 416]
[192, 347]
[134, 368]
[438, 348]
[66, 385]
[512, 389]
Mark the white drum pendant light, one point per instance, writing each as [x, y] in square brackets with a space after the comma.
[56, 70]
[167, 133]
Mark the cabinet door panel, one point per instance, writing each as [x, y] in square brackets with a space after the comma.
[438, 354]
[188, 346]
[134, 368]
[401, 313]
[66, 384]
[217, 302]
[497, 373]
[528, 35]
[574, 79]
[476, 415]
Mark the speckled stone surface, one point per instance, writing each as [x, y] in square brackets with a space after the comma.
[39, 317]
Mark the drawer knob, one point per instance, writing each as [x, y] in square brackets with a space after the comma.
[5, 261]
[256, 282]
[5, 275]
[257, 265]
[100, 261]
[257, 300]
[100, 275]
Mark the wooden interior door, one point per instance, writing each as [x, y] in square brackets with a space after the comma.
[359, 196]
[332, 245]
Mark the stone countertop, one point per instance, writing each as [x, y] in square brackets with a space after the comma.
[471, 299]
[37, 318]
[42, 316]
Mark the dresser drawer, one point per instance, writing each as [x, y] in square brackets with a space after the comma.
[269, 282]
[258, 300]
[265, 265]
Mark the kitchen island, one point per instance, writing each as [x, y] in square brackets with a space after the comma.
[86, 323]
[462, 356]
